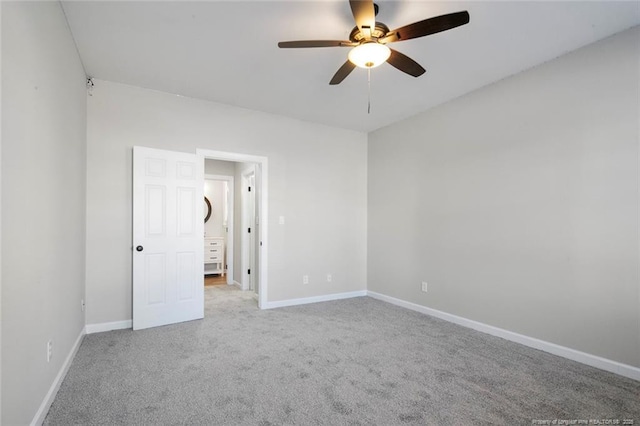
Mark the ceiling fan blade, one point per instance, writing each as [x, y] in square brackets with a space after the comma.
[314, 43]
[427, 27]
[365, 15]
[342, 73]
[405, 64]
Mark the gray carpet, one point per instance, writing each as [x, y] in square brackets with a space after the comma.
[349, 362]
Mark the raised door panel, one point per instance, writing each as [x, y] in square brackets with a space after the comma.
[187, 273]
[186, 212]
[155, 209]
[155, 167]
[185, 170]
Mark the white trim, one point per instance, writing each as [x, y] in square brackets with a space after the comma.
[264, 209]
[108, 326]
[572, 354]
[230, 223]
[38, 419]
[237, 284]
[230, 156]
[1, 218]
[264, 227]
[247, 222]
[315, 299]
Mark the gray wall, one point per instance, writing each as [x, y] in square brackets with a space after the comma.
[219, 167]
[518, 203]
[43, 202]
[317, 179]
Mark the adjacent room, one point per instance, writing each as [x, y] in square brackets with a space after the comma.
[319, 212]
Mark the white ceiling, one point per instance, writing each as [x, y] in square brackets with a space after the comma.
[226, 51]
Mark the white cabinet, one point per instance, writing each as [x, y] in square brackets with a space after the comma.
[214, 255]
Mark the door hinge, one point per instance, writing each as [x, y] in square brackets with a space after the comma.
[249, 271]
[249, 230]
[249, 189]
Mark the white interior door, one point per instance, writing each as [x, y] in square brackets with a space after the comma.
[168, 237]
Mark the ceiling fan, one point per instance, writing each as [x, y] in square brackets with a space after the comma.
[369, 40]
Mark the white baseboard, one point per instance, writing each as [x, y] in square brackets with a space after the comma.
[239, 285]
[108, 326]
[53, 390]
[315, 299]
[572, 354]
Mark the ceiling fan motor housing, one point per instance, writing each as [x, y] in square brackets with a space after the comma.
[379, 31]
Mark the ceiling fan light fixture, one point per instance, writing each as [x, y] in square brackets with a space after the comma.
[369, 55]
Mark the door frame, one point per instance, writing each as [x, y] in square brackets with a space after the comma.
[230, 223]
[247, 258]
[262, 162]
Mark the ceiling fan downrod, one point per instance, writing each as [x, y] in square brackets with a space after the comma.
[369, 89]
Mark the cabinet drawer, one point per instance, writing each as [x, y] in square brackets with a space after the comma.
[208, 250]
[213, 243]
[213, 257]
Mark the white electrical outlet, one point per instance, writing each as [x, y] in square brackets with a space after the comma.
[49, 350]
[329, 278]
[82, 305]
[424, 286]
[305, 279]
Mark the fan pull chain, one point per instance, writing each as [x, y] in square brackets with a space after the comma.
[369, 90]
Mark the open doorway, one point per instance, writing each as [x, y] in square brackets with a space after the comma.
[218, 223]
[242, 179]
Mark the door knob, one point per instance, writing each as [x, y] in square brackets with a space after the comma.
[139, 248]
